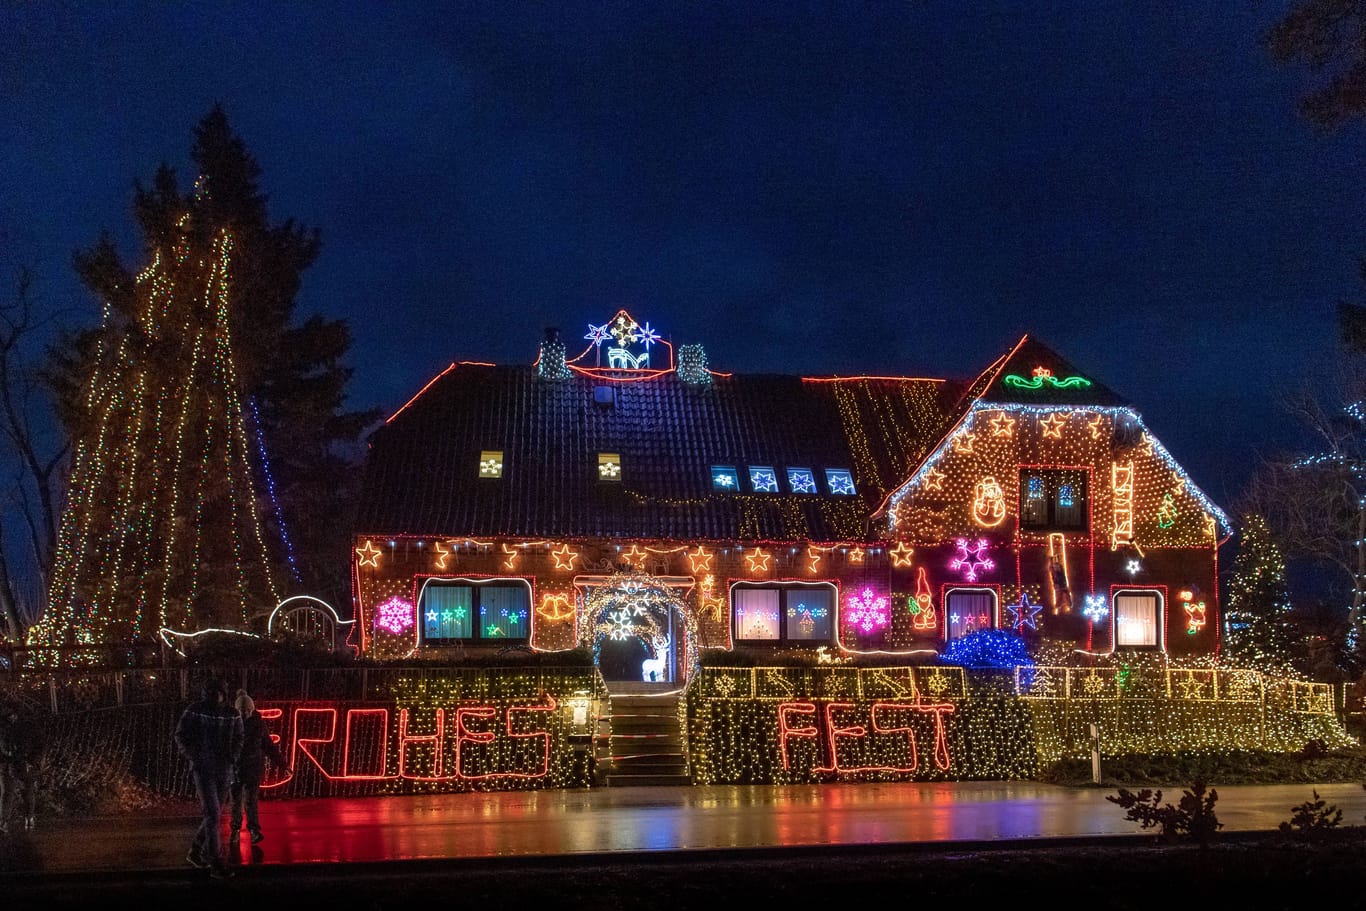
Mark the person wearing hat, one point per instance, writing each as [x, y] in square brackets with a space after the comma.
[257, 746]
[209, 735]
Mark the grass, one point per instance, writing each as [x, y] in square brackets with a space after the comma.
[1233, 767]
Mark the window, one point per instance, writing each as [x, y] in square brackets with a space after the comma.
[609, 466]
[801, 480]
[763, 479]
[466, 610]
[794, 612]
[723, 477]
[968, 610]
[1053, 498]
[1137, 618]
[840, 481]
[491, 463]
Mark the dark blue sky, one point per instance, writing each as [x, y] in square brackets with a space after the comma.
[884, 188]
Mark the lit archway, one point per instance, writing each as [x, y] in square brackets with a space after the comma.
[638, 605]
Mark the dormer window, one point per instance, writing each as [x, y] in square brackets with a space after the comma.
[801, 480]
[724, 477]
[491, 463]
[763, 479]
[609, 466]
[840, 481]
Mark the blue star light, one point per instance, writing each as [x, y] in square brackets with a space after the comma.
[1024, 613]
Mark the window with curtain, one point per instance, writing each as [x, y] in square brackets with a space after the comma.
[1136, 618]
[465, 611]
[784, 612]
[969, 610]
[1053, 499]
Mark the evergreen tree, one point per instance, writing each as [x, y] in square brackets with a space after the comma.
[290, 373]
[1258, 608]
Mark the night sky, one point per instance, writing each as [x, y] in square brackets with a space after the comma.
[896, 188]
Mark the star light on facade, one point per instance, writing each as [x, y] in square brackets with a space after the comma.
[758, 561]
[700, 559]
[901, 554]
[1003, 425]
[934, 479]
[1053, 425]
[1095, 609]
[972, 558]
[394, 616]
[597, 334]
[867, 611]
[635, 557]
[369, 555]
[1024, 614]
[564, 557]
[964, 442]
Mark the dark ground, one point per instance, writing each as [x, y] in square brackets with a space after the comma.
[1246, 870]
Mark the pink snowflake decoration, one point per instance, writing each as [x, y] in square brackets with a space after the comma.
[867, 611]
[394, 616]
[972, 558]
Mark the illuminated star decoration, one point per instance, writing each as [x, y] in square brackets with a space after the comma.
[901, 554]
[964, 442]
[934, 479]
[867, 611]
[443, 554]
[972, 558]
[856, 555]
[609, 469]
[394, 616]
[1095, 427]
[758, 561]
[1133, 567]
[801, 481]
[1023, 614]
[431, 616]
[645, 335]
[597, 334]
[700, 559]
[1053, 425]
[369, 555]
[512, 555]
[722, 479]
[1003, 425]
[813, 557]
[635, 557]
[763, 479]
[565, 557]
[1096, 610]
[624, 329]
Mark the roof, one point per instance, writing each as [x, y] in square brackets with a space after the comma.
[422, 471]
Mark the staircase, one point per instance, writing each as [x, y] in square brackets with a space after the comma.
[645, 742]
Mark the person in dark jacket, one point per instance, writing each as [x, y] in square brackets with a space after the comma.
[209, 735]
[257, 746]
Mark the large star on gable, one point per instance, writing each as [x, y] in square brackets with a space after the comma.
[700, 559]
[1003, 425]
[934, 479]
[964, 441]
[758, 561]
[1053, 425]
[565, 557]
[369, 555]
[1024, 614]
[901, 554]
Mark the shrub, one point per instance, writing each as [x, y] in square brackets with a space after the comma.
[1312, 818]
[1193, 816]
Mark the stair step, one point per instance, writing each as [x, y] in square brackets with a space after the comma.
[651, 781]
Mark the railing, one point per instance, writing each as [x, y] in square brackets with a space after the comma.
[832, 682]
[61, 692]
[1189, 684]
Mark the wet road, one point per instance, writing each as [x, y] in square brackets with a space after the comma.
[558, 823]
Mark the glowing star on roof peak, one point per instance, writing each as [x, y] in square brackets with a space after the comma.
[1053, 425]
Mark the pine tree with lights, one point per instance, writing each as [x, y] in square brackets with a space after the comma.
[163, 525]
[291, 371]
[1258, 609]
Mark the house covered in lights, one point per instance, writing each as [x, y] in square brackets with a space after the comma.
[634, 500]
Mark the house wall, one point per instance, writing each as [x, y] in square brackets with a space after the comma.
[1147, 528]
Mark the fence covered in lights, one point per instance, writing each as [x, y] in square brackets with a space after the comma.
[370, 731]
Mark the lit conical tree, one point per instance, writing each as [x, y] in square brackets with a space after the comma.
[1258, 612]
[163, 526]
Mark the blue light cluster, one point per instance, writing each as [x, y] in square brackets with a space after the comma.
[988, 648]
